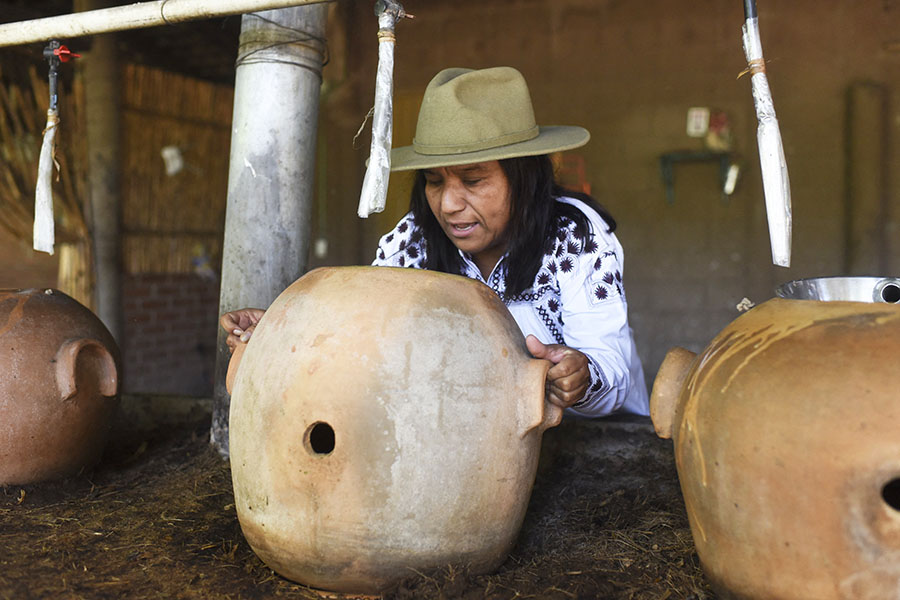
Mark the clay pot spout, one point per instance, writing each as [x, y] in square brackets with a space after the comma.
[667, 389]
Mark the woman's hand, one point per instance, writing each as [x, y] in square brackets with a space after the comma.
[569, 377]
[240, 325]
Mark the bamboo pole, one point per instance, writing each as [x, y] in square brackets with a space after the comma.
[102, 118]
[133, 16]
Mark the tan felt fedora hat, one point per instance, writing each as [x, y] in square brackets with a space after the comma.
[469, 116]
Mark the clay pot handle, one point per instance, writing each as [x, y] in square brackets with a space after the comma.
[667, 389]
[67, 363]
[534, 410]
[233, 364]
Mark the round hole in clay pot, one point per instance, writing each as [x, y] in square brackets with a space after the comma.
[320, 438]
[891, 493]
[891, 293]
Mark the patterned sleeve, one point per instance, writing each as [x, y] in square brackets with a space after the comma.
[595, 317]
[403, 246]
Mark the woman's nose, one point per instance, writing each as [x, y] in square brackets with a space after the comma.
[452, 198]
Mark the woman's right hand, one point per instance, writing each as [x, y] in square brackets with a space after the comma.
[240, 325]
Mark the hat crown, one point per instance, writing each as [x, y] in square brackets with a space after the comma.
[464, 110]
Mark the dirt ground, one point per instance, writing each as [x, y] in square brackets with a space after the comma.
[156, 519]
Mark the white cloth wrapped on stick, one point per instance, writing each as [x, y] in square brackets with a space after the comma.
[44, 234]
[776, 185]
[374, 189]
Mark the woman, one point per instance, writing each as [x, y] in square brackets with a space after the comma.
[485, 205]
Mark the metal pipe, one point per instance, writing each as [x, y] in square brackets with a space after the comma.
[749, 9]
[133, 16]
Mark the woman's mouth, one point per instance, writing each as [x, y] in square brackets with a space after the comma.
[462, 229]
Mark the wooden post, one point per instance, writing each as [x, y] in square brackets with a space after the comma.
[102, 120]
[272, 169]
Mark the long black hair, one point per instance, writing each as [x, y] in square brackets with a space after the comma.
[534, 215]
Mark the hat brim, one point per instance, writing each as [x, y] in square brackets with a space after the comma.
[549, 139]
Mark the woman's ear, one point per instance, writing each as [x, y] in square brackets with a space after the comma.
[85, 353]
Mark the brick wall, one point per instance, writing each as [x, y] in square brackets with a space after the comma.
[170, 325]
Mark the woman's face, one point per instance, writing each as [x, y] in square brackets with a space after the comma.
[472, 205]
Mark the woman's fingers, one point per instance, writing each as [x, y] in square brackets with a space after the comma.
[245, 334]
[566, 391]
[241, 319]
[569, 377]
[552, 352]
[240, 325]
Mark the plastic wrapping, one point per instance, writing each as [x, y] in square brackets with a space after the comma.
[776, 185]
[44, 234]
[374, 189]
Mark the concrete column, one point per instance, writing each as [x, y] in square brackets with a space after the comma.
[272, 169]
[102, 119]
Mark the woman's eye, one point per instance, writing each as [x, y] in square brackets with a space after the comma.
[472, 181]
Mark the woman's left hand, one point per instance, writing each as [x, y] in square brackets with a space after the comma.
[569, 377]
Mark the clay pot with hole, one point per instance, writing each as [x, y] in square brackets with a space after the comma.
[384, 421]
[786, 433]
[58, 389]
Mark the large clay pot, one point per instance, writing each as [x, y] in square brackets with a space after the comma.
[58, 388]
[384, 421]
[787, 442]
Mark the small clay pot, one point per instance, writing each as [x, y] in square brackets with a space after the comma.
[787, 443]
[384, 421]
[58, 391]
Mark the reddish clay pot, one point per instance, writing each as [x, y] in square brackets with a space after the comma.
[384, 421]
[787, 442]
[58, 391]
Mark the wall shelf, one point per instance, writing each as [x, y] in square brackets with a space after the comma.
[668, 161]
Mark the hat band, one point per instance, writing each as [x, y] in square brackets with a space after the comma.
[503, 140]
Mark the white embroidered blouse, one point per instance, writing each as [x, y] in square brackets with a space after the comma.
[577, 299]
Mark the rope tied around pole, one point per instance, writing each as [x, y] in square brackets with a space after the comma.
[50, 127]
[757, 65]
[293, 37]
[162, 12]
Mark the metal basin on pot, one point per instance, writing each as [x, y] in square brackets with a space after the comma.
[854, 289]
